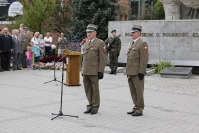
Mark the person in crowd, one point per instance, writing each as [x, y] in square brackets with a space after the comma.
[21, 27]
[6, 49]
[25, 42]
[0, 52]
[61, 44]
[41, 44]
[28, 55]
[36, 51]
[47, 43]
[35, 38]
[17, 39]
[31, 34]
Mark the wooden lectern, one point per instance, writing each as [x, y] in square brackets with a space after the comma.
[73, 68]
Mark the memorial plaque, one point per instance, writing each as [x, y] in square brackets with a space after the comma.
[176, 72]
[175, 40]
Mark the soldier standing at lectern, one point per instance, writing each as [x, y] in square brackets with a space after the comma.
[137, 59]
[113, 47]
[94, 61]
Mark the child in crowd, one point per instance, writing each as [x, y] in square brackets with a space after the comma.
[29, 57]
[36, 50]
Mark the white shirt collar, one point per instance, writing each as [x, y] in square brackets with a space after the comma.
[136, 39]
[92, 39]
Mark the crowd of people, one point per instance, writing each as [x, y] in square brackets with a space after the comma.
[22, 48]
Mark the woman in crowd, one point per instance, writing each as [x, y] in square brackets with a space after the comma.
[41, 44]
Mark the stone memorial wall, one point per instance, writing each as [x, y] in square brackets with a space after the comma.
[175, 40]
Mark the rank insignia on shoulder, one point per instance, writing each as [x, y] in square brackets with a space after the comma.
[145, 47]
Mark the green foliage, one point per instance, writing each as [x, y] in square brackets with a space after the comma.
[159, 66]
[61, 20]
[36, 13]
[159, 10]
[97, 12]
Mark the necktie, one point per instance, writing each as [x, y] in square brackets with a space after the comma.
[89, 42]
[17, 40]
[132, 43]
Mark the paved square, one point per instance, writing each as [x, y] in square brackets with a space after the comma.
[26, 104]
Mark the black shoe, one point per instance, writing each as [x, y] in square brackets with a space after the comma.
[7, 69]
[94, 111]
[137, 114]
[1, 70]
[88, 111]
[114, 72]
[111, 72]
[130, 113]
[18, 68]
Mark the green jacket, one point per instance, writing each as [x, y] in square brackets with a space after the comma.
[116, 46]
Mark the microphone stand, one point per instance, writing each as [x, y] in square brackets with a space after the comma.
[55, 79]
[60, 111]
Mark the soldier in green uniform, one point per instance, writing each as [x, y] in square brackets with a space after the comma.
[137, 59]
[25, 43]
[113, 47]
[94, 61]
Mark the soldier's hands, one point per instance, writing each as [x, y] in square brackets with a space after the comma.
[100, 75]
[141, 76]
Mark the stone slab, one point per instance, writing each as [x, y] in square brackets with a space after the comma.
[150, 71]
[176, 72]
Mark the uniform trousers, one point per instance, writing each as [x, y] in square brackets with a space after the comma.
[91, 86]
[137, 91]
[113, 58]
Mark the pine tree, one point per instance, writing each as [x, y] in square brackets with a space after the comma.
[97, 12]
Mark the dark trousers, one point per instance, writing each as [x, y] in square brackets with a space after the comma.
[17, 58]
[0, 61]
[48, 51]
[5, 60]
[23, 58]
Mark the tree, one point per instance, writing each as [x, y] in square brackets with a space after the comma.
[36, 12]
[97, 12]
[159, 10]
[62, 17]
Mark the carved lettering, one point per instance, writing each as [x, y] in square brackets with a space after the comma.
[175, 34]
[195, 35]
[147, 34]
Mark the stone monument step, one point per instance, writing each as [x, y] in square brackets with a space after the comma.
[150, 71]
[176, 72]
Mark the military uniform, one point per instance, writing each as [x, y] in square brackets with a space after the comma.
[113, 53]
[25, 43]
[94, 61]
[137, 59]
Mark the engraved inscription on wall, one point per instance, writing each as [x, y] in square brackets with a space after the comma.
[183, 34]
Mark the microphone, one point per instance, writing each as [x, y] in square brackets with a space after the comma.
[83, 41]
